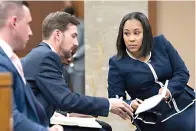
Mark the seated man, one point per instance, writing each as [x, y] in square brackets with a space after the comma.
[43, 69]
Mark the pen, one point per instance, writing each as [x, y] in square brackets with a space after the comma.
[117, 96]
[139, 101]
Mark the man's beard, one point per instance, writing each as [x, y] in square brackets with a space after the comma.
[66, 57]
[67, 54]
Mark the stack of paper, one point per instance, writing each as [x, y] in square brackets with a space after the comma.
[152, 101]
[75, 121]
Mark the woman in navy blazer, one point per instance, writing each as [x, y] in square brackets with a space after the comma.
[141, 67]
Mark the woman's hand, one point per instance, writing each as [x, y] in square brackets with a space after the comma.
[167, 96]
[135, 103]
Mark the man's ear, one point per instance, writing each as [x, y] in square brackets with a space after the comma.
[13, 21]
[56, 34]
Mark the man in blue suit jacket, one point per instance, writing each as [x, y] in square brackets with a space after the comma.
[44, 71]
[27, 113]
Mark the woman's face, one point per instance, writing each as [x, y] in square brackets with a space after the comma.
[133, 36]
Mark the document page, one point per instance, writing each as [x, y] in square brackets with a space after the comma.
[152, 101]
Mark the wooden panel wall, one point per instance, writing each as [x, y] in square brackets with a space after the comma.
[79, 8]
[152, 15]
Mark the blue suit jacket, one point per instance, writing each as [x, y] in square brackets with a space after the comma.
[24, 111]
[44, 72]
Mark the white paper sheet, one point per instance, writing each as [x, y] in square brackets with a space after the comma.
[152, 101]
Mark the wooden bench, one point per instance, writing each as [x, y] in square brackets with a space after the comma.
[5, 102]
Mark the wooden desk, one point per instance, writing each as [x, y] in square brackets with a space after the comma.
[5, 101]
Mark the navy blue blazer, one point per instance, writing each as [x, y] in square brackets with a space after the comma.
[44, 72]
[24, 104]
[135, 77]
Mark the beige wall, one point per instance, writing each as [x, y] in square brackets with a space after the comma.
[176, 20]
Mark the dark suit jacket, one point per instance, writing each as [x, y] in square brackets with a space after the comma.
[24, 111]
[43, 71]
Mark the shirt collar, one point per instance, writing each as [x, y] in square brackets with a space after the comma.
[6, 48]
[130, 55]
[50, 47]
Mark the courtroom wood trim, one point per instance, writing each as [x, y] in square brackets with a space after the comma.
[5, 100]
[152, 15]
[79, 8]
[5, 79]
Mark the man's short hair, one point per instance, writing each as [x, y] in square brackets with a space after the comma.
[8, 8]
[25, 3]
[57, 20]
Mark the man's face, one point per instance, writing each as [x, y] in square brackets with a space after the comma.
[23, 30]
[69, 42]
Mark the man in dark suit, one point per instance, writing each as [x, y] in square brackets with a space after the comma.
[27, 113]
[43, 70]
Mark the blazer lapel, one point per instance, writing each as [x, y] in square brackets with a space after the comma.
[29, 99]
[10, 63]
[27, 93]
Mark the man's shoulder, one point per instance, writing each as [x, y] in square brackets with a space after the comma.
[6, 64]
[40, 50]
[4, 60]
[37, 54]
[44, 57]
